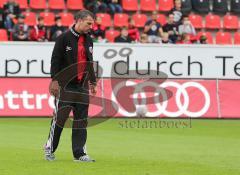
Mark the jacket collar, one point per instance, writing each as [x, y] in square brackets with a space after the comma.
[74, 32]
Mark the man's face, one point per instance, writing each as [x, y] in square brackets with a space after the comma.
[59, 22]
[41, 22]
[154, 16]
[186, 21]
[171, 18]
[124, 33]
[178, 4]
[21, 20]
[99, 20]
[86, 24]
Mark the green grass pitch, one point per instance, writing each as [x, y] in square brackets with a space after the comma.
[208, 147]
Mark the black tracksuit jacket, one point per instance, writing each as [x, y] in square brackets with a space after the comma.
[65, 55]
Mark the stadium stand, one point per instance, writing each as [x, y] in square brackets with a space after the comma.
[186, 6]
[223, 38]
[56, 4]
[208, 35]
[2, 2]
[75, 4]
[106, 19]
[48, 18]
[213, 18]
[38, 4]
[235, 6]
[237, 38]
[120, 20]
[148, 5]
[165, 5]
[139, 20]
[3, 35]
[23, 4]
[201, 6]
[220, 6]
[111, 35]
[196, 20]
[67, 18]
[213, 21]
[30, 18]
[230, 22]
[161, 19]
[130, 5]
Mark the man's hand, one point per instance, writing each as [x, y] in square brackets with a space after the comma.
[93, 89]
[11, 16]
[54, 88]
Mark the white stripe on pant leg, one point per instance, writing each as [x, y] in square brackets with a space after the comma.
[85, 149]
[54, 124]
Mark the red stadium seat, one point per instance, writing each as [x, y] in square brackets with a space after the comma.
[67, 19]
[162, 19]
[165, 5]
[130, 5]
[196, 21]
[237, 38]
[23, 4]
[38, 4]
[2, 2]
[120, 20]
[213, 21]
[48, 18]
[75, 4]
[111, 35]
[106, 19]
[148, 5]
[30, 18]
[139, 20]
[223, 38]
[3, 35]
[56, 4]
[230, 22]
[208, 35]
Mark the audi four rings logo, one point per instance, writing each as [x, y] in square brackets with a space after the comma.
[162, 107]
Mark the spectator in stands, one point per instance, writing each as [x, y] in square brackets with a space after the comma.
[99, 30]
[10, 12]
[133, 31]
[1, 18]
[96, 6]
[153, 29]
[165, 38]
[177, 11]
[20, 30]
[114, 6]
[203, 39]
[57, 29]
[171, 28]
[186, 27]
[39, 32]
[123, 37]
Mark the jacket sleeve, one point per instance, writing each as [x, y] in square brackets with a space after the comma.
[15, 32]
[57, 56]
[92, 76]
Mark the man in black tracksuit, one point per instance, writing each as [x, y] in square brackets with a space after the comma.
[72, 74]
